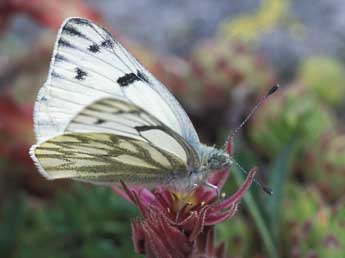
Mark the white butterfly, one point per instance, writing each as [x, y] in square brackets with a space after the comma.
[101, 117]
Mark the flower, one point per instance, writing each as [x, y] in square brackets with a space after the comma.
[179, 225]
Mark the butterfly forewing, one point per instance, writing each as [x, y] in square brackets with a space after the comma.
[89, 64]
[107, 158]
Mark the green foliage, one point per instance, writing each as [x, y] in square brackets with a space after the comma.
[258, 217]
[266, 211]
[85, 222]
[311, 227]
[325, 165]
[292, 114]
[12, 217]
[325, 77]
[278, 176]
[236, 234]
[302, 203]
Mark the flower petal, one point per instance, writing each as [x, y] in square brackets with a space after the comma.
[237, 196]
[157, 238]
[216, 217]
[199, 225]
[219, 178]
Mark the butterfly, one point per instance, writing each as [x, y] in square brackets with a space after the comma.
[101, 117]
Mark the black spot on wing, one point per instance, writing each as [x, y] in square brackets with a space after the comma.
[99, 121]
[55, 75]
[143, 128]
[109, 35]
[108, 43]
[60, 58]
[80, 74]
[70, 30]
[44, 99]
[127, 79]
[79, 21]
[94, 48]
[64, 43]
[142, 76]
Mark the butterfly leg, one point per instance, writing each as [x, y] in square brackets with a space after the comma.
[214, 187]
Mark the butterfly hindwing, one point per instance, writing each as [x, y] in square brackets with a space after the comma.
[106, 158]
[89, 64]
[122, 118]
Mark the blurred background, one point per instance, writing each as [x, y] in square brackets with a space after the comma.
[218, 58]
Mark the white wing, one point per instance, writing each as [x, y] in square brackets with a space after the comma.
[89, 64]
[112, 140]
[105, 158]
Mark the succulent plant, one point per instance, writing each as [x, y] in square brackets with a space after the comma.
[85, 222]
[290, 116]
[215, 71]
[224, 69]
[325, 165]
[237, 236]
[311, 228]
[321, 74]
[321, 235]
[301, 203]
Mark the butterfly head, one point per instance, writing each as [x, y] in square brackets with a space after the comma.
[212, 160]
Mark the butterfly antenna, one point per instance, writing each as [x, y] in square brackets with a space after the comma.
[245, 120]
[265, 188]
[229, 142]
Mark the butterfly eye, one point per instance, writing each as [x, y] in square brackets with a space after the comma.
[218, 161]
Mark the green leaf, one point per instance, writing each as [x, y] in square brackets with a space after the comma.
[12, 218]
[277, 178]
[257, 216]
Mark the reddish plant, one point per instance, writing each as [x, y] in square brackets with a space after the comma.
[180, 225]
[15, 130]
[49, 13]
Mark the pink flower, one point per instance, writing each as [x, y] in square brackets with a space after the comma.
[180, 225]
